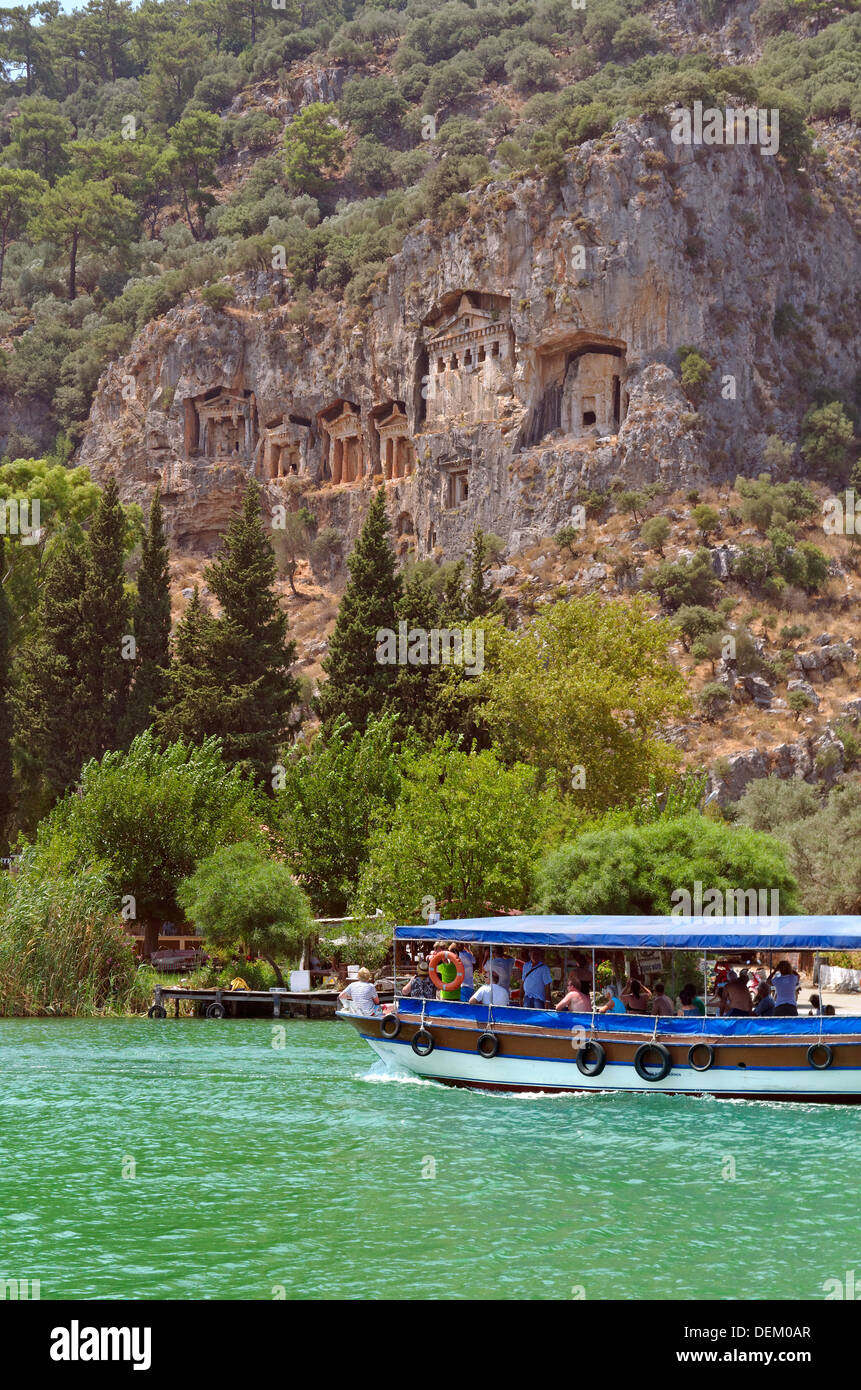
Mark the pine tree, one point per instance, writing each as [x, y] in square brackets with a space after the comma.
[6, 789]
[482, 599]
[151, 627]
[358, 685]
[106, 666]
[231, 675]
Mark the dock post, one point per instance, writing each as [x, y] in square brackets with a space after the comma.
[276, 1006]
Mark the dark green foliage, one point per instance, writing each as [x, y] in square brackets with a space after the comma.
[230, 675]
[75, 668]
[482, 599]
[826, 434]
[51, 701]
[151, 623]
[714, 700]
[684, 582]
[105, 671]
[6, 799]
[358, 685]
[373, 106]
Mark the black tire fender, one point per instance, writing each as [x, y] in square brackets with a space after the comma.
[422, 1043]
[487, 1045]
[215, 1010]
[641, 1057]
[709, 1059]
[592, 1058]
[157, 1011]
[827, 1056]
[390, 1026]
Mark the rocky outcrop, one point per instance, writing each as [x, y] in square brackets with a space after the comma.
[525, 355]
[818, 760]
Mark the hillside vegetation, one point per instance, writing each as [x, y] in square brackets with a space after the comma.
[149, 152]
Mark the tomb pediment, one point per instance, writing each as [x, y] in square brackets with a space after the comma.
[225, 403]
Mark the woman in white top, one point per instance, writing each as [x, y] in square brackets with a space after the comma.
[361, 995]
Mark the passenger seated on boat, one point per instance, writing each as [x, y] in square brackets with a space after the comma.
[483, 995]
[502, 964]
[690, 1003]
[361, 995]
[576, 1001]
[612, 1003]
[537, 980]
[420, 985]
[636, 998]
[661, 1004]
[735, 1000]
[763, 1003]
[786, 986]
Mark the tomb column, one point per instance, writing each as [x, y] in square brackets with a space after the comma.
[337, 460]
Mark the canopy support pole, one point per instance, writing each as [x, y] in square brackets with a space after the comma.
[705, 990]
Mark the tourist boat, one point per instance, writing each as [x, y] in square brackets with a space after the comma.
[513, 1049]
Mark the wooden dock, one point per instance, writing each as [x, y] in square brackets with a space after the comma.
[249, 1003]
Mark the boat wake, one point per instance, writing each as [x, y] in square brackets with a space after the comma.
[381, 1072]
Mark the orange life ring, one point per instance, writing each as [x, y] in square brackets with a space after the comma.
[435, 978]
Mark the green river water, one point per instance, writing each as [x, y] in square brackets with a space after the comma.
[305, 1171]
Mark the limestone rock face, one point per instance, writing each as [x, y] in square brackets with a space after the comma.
[819, 760]
[506, 365]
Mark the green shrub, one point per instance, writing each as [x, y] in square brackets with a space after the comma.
[826, 434]
[695, 371]
[640, 868]
[685, 582]
[217, 296]
[714, 700]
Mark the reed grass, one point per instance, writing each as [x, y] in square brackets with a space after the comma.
[63, 949]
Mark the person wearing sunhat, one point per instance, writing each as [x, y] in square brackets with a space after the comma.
[420, 985]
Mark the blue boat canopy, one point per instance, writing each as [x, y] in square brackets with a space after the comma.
[649, 933]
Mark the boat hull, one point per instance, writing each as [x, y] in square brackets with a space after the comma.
[752, 1059]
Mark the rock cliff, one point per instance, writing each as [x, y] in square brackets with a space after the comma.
[506, 364]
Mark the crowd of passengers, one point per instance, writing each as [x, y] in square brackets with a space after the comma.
[737, 995]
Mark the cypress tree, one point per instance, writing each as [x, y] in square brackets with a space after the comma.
[151, 626]
[106, 666]
[358, 685]
[452, 599]
[415, 695]
[482, 600]
[195, 692]
[231, 675]
[51, 698]
[6, 797]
